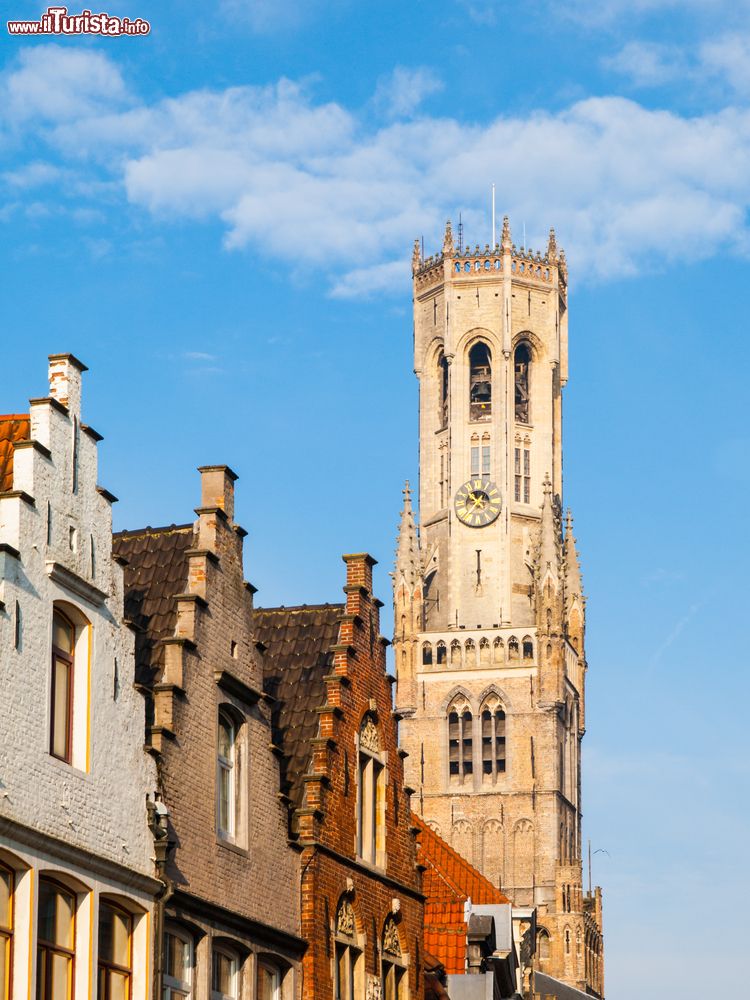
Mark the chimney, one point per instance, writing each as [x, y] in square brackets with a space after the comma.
[65, 372]
[359, 570]
[217, 488]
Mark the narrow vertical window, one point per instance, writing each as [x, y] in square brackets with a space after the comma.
[522, 367]
[517, 475]
[7, 882]
[178, 966]
[442, 391]
[393, 971]
[269, 982]
[223, 975]
[226, 777]
[348, 971]
[460, 744]
[371, 794]
[61, 709]
[475, 460]
[55, 942]
[526, 475]
[493, 739]
[115, 952]
[480, 383]
[485, 460]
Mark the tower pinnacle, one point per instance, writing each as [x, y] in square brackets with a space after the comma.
[505, 241]
[408, 559]
[448, 239]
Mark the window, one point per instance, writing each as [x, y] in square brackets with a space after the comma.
[226, 778]
[223, 975]
[115, 952]
[442, 652]
[512, 648]
[460, 754]
[522, 475]
[493, 739]
[178, 965]
[485, 460]
[7, 881]
[480, 383]
[480, 460]
[443, 393]
[55, 942]
[61, 710]
[269, 982]
[522, 367]
[371, 793]
[542, 945]
[475, 460]
[426, 654]
[393, 973]
[348, 970]
[528, 648]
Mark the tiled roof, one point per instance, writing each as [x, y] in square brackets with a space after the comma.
[13, 427]
[447, 875]
[445, 933]
[297, 658]
[157, 570]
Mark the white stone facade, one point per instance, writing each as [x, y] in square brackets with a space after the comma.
[82, 822]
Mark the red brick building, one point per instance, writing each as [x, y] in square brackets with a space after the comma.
[228, 925]
[362, 907]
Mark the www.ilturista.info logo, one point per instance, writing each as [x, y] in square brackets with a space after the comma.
[57, 21]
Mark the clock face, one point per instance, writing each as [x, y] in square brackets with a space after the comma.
[478, 502]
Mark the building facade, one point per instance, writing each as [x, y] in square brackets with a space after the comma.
[77, 886]
[228, 925]
[362, 907]
[489, 609]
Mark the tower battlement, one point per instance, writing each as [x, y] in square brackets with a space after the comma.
[459, 264]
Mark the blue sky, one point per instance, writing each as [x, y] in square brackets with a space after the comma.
[218, 220]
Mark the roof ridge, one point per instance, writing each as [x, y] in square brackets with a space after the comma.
[148, 530]
[14, 416]
[300, 607]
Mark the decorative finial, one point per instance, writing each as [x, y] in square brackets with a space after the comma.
[552, 245]
[505, 241]
[448, 240]
[547, 485]
[416, 258]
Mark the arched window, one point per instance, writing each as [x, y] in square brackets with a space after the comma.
[522, 367]
[567, 940]
[442, 390]
[370, 793]
[269, 981]
[56, 926]
[7, 884]
[493, 738]
[471, 653]
[460, 753]
[498, 650]
[455, 653]
[224, 974]
[528, 648]
[348, 970]
[427, 654]
[542, 944]
[512, 648]
[178, 965]
[480, 382]
[393, 972]
[484, 651]
[61, 690]
[226, 776]
[115, 952]
[442, 652]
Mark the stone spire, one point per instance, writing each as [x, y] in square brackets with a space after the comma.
[408, 558]
[552, 246]
[416, 257]
[448, 240]
[573, 584]
[505, 241]
[548, 549]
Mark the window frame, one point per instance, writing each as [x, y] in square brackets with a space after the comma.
[171, 986]
[227, 766]
[479, 410]
[393, 970]
[371, 793]
[225, 952]
[6, 931]
[496, 741]
[347, 946]
[47, 950]
[265, 965]
[464, 750]
[67, 658]
[106, 966]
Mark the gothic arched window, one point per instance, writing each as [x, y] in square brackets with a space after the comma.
[371, 793]
[442, 374]
[480, 382]
[348, 970]
[393, 971]
[460, 753]
[522, 368]
[542, 944]
[427, 654]
[493, 738]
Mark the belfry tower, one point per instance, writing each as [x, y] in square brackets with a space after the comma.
[489, 608]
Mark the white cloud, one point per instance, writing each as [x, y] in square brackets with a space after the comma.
[724, 60]
[400, 94]
[648, 64]
[312, 184]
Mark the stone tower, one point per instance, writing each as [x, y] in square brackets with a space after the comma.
[489, 609]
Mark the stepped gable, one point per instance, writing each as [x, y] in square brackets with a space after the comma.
[448, 883]
[13, 427]
[156, 569]
[298, 656]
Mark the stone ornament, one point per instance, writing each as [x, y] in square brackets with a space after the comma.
[369, 738]
[345, 919]
[391, 943]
